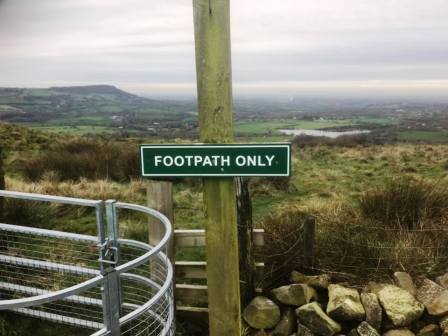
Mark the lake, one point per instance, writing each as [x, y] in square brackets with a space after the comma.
[328, 134]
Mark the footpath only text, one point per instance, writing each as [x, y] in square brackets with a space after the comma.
[216, 160]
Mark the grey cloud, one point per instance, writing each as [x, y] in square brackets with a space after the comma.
[141, 43]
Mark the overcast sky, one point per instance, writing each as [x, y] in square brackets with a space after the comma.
[279, 46]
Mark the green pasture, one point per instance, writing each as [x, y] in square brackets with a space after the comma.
[269, 126]
[78, 130]
[424, 136]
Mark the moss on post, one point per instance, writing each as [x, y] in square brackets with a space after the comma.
[2, 183]
[214, 80]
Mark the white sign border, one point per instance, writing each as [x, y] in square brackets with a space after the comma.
[277, 145]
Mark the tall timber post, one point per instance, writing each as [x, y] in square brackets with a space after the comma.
[214, 84]
[2, 183]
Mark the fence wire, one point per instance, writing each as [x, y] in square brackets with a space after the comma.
[354, 252]
[377, 252]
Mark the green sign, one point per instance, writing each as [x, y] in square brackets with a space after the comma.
[216, 160]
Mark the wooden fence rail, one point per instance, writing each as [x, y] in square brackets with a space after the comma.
[192, 298]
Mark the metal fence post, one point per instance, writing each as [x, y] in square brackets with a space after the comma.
[245, 240]
[112, 288]
[309, 236]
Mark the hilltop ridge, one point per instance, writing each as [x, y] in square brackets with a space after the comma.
[69, 103]
[92, 89]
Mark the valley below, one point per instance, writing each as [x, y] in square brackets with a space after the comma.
[359, 169]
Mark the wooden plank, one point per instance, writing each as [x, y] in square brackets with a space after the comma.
[191, 295]
[258, 237]
[198, 314]
[189, 238]
[196, 238]
[197, 270]
[191, 269]
[259, 272]
[192, 309]
[195, 296]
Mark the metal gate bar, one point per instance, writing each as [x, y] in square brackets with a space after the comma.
[129, 283]
[56, 318]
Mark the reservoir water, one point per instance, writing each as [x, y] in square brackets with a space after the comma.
[328, 134]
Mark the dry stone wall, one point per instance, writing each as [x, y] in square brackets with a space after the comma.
[314, 306]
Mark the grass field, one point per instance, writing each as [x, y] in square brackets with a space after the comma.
[325, 179]
[424, 136]
[376, 121]
[78, 130]
[319, 175]
[259, 127]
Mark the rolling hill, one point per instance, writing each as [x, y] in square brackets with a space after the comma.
[74, 102]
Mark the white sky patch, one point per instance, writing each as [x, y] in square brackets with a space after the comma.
[145, 45]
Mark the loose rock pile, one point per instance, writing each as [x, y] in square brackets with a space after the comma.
[312, 305]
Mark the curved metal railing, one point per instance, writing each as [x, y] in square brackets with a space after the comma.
[111, 285]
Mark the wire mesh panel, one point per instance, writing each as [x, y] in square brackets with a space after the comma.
[137, 285]
[151, 280]
[40, 262]
[109, 285]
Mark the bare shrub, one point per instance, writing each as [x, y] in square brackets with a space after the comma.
[283, 235]
[26, 213]
[88, 158]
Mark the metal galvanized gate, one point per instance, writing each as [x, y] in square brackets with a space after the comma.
[104, 283]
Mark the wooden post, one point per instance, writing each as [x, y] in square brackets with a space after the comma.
[2, 184]
[214, 81]
[309, 234]
[160, 198]
[245, 239]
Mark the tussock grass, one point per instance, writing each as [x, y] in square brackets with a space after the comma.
[405, 202]
[73, 218]
[399, 226]
[134, 191]
[266, 185]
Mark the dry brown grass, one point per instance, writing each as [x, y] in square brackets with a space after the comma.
[368, 242]
[284, 248]
[83, 158]
[134, 191]
[405, 202]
